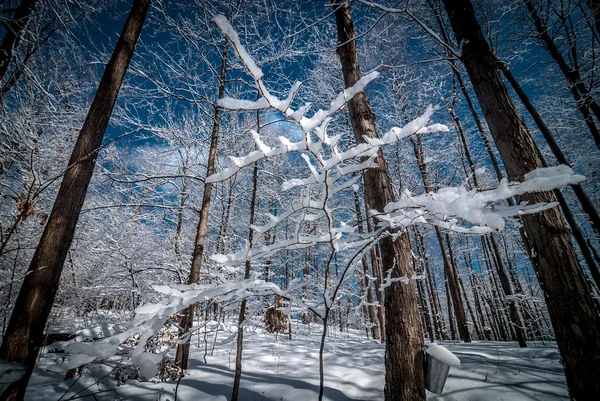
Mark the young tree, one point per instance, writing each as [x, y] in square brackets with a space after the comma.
[23, 337]
[560, 275]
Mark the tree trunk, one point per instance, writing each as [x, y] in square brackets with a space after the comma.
[187, 320]
[432, 288]
[459, 309]
[375, 267]
[577, 328]
[594, 6]
[25, 330]
[404, 359]
[508, 293]
[14, 31]
[243, 306]
[371, 312]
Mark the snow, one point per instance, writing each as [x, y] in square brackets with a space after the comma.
[232, 35]
[282, 369]
[441, 354]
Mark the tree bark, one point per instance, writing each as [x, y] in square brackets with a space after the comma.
[371, 312]
[25, 330]
[240, 334]
[183, 350]
[577, 328]
[508, 294]
[375, 267]
[404, 359]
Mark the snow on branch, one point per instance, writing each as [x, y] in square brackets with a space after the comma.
[333, 169]
[445, 207]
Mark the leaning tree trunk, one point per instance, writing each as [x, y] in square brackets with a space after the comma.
[24, 335]
[572, 310]
[404, 361]
[183, 350]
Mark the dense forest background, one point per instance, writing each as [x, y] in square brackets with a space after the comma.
[151, 220]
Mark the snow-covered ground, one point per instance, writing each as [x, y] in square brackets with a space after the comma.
[283, 369]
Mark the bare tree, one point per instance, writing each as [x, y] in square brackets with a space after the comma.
[404, 359]
[560, 275]
[23, 337]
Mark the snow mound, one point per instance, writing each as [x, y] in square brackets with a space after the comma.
[441, 354]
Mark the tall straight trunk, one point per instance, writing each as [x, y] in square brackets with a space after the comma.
[576, 322]
[25, 330]
[450, 316]
[182, 199]
[586, 204]
[508, 293]
[432, 287]
[495, 307]
[372, 313]
[242, 316]
[187, 320]
[404, 359]
[425, 310]
[459, 309]
[464, 297]
[375, 267]
[583, 98]
[14, 32]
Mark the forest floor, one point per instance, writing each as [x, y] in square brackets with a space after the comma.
[280, 369]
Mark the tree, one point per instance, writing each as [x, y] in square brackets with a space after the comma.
[560, 275]
[404, 359]
[23, 337]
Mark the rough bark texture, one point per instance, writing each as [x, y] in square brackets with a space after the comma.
[183, 350]
[24, 335]
[574, 316]
[404, 356]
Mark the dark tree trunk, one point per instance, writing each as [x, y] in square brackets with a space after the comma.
[25, 330]
[378, 281]
[432, 288]
[14, 31]
[370, 313]
[404, 359]
[508, 293]
[240, 334]
[572, 310]
[594, 6]
[187, 320]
